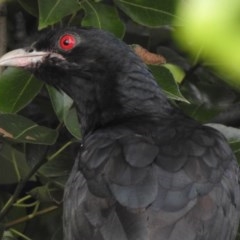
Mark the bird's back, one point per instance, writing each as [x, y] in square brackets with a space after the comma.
[165, 179]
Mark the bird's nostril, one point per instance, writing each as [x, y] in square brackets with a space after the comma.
[30, 50]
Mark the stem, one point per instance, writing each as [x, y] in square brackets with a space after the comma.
[30, 216]
[60, 150]
[14, 231]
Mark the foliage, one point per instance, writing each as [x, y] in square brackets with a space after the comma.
[39, 129]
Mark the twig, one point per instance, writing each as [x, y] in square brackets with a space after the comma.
[30, 216]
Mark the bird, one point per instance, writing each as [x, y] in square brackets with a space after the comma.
[144, 169]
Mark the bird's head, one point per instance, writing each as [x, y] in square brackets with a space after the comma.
[102, 74]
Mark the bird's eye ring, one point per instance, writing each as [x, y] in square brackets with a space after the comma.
[67, 42]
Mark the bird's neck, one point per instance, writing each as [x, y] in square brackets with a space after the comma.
[117, 95]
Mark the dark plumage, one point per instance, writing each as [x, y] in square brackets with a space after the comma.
[145, 171]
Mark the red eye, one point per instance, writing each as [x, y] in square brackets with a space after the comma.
[67, 42]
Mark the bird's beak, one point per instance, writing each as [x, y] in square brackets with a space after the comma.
[22, 58]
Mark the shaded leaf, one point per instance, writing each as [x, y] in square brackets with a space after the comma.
[21, 129]
[53, 11]
[149, 13]
[167, 83]
[98, 15]
[13, 165]
[17, 89]
[58, 168]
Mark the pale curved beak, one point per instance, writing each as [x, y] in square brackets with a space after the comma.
[22, 58]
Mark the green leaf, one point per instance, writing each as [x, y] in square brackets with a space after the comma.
[13, 165]
[72, 124]
[167, 83]
[150, 13]
[66, 113]
[176, 71]
[20, 129]
[61, 102]
[102, 16]
[53, 11]
[17, 89]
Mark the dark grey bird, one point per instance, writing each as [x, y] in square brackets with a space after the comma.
[144, 171]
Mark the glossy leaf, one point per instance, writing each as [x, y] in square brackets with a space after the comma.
[167, 83]
[72, 124]
[61, 102]
[149, 13]
[20, 129]
[66, 113]
[53, 11]
[17, 89]
[98, 15]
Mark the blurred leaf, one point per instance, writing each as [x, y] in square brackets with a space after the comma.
[21, 129]
[202, 89]
[8, 235]
[149, 13]
[63, 107]
[17, 89]
[13, 165]
[53, 11]
[30, 6]
[232, 134]
[98, 15]
[199, 111]
[167, 83]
